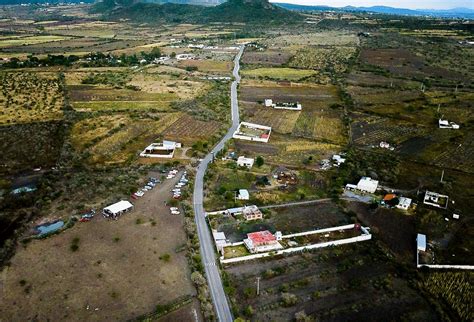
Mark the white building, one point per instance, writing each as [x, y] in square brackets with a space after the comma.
[245, 162]
[185, 56]
[253, 132]
[436, 200]
[243, 194]
[445, 124]
[421, 242]
[161, 150]
[117, 209]
[367, 184]
[338, 159]
[404, 203]
[283, 105]
[219, 239]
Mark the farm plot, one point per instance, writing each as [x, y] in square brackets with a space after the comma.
[208, 66]
[278, 73]
[405, 63]
[18, 105]
[326, 285]
[333, 59]
[266, 58]
[370, 131]
[327, 38]
[367, 79]
[29, 40]
[100, 98]
[187, 129]
[116, 139]
[280, 121]
[408, 105]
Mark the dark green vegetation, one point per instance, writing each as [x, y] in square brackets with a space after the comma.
[245, 11]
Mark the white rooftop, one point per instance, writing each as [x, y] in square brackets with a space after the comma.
[120, 206]
[421, 242]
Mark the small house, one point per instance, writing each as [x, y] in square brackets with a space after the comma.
[261, 241]
[252, 213]
[404, 203]
[245, 162]
[165, 150]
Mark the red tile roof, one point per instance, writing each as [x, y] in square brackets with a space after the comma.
[389, 197]
[261, 237]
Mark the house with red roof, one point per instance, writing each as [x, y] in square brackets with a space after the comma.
[261, 241]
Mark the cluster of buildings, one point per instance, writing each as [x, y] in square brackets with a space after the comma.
[392, 200]
[335, 161]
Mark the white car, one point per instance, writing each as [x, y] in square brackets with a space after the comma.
[176, 190]
[139, 193]
[173, 208]
[169, 176]
[145, 188]
[175, 212]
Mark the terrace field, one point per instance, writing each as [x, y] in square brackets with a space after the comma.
[278, 73]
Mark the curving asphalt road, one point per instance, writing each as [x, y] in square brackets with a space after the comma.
[206, 243]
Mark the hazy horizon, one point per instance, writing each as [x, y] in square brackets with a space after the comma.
[407, 4]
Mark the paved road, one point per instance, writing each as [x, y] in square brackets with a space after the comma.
[206, 242]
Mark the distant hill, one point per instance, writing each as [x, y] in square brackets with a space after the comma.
[16, 2]
[449, 13]
[245, 11]
[195, 2]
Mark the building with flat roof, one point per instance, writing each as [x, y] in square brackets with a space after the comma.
[367, 184]
[164, 149]
[243, 194]
[421, 242]
[261, 241]
[404, 203]
[252, 213]
[117, 209]
[245, 162]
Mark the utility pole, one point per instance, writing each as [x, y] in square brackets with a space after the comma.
[258, 285]
[442, 177]
[439, 105]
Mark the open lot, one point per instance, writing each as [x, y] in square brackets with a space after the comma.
[118, 260]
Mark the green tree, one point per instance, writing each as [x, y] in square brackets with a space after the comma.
[259, 161]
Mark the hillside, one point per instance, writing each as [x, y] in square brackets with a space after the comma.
[242, 11]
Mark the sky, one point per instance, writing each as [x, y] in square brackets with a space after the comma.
[410, 4]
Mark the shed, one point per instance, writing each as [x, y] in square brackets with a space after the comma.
[243, 194]
[421, 242]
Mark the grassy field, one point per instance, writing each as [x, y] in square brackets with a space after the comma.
[29, 40]
[278, 73]
[17, 103]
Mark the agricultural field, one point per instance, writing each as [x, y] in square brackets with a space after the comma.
[266, 58]
[311, 284]
[320, 118]
[278, 73]
[331, 60]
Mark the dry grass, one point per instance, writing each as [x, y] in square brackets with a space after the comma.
[27, 97]
[116, 273]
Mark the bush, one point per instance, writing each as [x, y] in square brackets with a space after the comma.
[75, 244]
[289, 299]
[165, 257]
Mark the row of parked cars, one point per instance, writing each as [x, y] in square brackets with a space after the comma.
[183, 181]
[152, 182]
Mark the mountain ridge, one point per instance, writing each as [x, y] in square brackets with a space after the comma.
[466, 13]
[232, 11]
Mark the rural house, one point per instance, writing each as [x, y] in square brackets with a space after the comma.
[283, 105]
[160, 150]
[261, 241]
[404, 203]
[252, 213]
[245, 162]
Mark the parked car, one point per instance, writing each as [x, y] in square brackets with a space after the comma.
[139, 193]
[145, 188]
[133, 196]
[173, 208]
[175, 212]
[149, 187]
[176, 196]
[151, 184]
